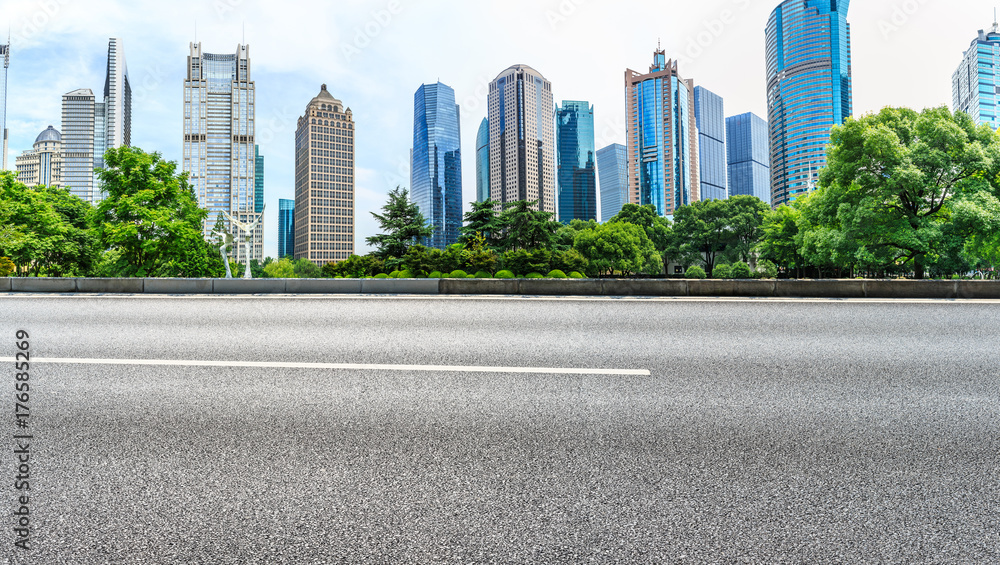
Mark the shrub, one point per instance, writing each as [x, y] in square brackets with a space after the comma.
[557, 274]
[569, 261]
[394, 275]
[405, 275]
[504, 275]
[767, 269]
[696, 272]
[534, 276]
[483, 275]
[722, 271]
[7, 267]
[740, 271]
[576, 275]
[436, 275]
[458, 274]
[382, 276]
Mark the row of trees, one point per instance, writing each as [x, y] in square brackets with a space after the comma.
[903, 193]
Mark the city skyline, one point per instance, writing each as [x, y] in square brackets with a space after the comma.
[720, 45]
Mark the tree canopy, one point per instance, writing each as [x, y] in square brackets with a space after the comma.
[402, 223]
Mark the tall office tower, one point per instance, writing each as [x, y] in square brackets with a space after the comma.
[710, 117]
[436, 162]
[576, 166]
[975, 84]
[42, 165]
[92, 125]
[483, 161]
[808, 44]
[286, 228]
[219, 151]
[5, 51]
[662, 137]
[324, 181]
[522, 138]
[258, 182]
[612, 166]
[79, 117]
[747, 155]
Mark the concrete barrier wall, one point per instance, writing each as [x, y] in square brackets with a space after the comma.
[826, 288]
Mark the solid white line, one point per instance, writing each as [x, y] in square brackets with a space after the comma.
[342, 366]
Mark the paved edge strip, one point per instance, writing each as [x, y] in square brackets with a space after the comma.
[825, 288]
[342, 366]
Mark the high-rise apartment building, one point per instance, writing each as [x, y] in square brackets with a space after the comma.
[808, 46]
[975, 85]
[258, 182]
[219, 154]
[436, 162]
[522, 138]
[483, 161]
[286, 228]
[5, 53]
[710, 117]
[576, 166]
[92, 125]
[612, 167]
[747, 148]
[324, 181]
[662, 137]
[42, 165]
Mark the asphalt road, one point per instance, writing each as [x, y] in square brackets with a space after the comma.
[765, 431]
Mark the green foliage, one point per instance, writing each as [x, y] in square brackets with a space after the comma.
[7, 267]
[405, 275]
[355, 267]
[394, 275]
[722, 271]
[740, 270]
[525, 227]
[767, 269]
[436, 275]
[576, 275]
[483, 275]
[402, 223]
[569, 260]
[619, 248]
[695, 272]
[779, 242]
[483, 222]
[701, 232]
[657, 228]
[151, 217]
[281, 269]
[534, 276]
[382, 276]
[418, 260]
[745, 218]
[504, 274]
[306, 269]
[458, 274]
[556, 274]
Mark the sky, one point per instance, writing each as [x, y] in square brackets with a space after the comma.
[373, 55]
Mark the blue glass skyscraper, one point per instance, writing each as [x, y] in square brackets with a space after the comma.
[575, 162]
[612, 167]
[976, 82]
[483, 162]
[286, 228]
[258, 183]
[808, 45]
[747, 147]
[710, 116]
[436, 168]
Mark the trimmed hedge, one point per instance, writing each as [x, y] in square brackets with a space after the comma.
[483, 275]
[436, 275]
[533, 276]
[695, 272]
[557, 274]
[459, 274]
[505, 274]
[576, 275]
[740, 271]
[382, 276]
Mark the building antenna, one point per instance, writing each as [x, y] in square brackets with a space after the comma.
[244, 32]
[196, 30]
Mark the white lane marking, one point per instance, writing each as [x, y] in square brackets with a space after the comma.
[341, 366]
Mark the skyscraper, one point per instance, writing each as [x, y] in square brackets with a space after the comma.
[975, 84]
[577, 170]
[710, 117]
[483, 161]
[747, 147]
[219, 151]
[42, 165]
[92, 125]
[5, 52]
[324, 181]
[808, 45]
[612, 166]
[286, 228]
[436, 162]
[662, 137]
[258, 182]
[522, 138]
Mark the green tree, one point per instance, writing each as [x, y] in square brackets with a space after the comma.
[746, 219]
[151, 219]
[701, 232]
[306, 269]
[484, 220]
[891, 179]
[525, 227]
[280, 269]
[402, 223]
[617, 248]
[778, 242]
[355, 267]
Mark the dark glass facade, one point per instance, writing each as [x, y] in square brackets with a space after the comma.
[286, 228]
[576, 162]
[612, 167]
[808, 46]
[436, 162]
[258, 184]
[483, 161]
[710, 117]
[747, 148]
